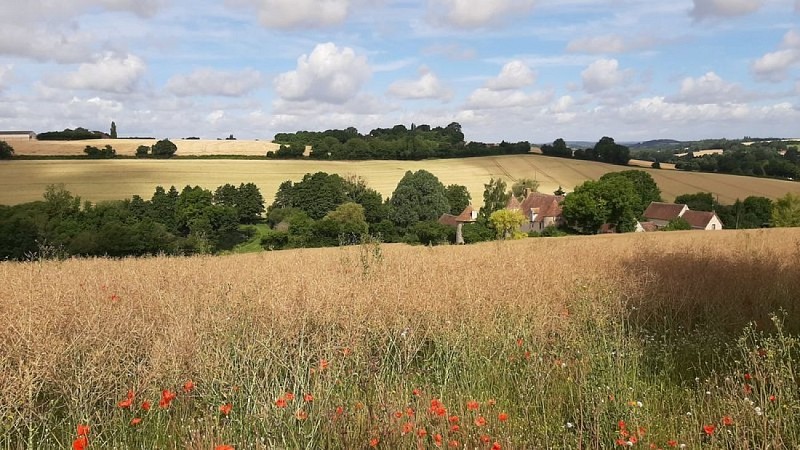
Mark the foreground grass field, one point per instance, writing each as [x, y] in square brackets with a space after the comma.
[579, 342]
[95, 180]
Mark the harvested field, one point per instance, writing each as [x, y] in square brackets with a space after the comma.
[186, 147]
[96, 180]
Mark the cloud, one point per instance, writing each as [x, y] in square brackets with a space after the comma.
[44, 44]
[704, 9]
[514, 75]
[613, 43]
[476, 14]
[708, 89]
[450, 51]
[5, 76]
[328, 74]
[215, 82]
[774, 66]
[602, 75]
[427, 86]
[40, 10]
[285, 14]
[109, 73]
[484, 98]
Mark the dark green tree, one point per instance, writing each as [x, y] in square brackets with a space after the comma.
[523, 185]
[316, 194]
[6, 150]
[612, 201]
[677, 224]
[419, 196]
[113, 130]
[495, 198]
[142, 151]
[607, 150]
[164, 149]
[458, 197]
[644, 184]
[701, 201]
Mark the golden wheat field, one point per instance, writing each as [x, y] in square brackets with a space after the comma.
[96, 180]
[536, 332]
[127, 147]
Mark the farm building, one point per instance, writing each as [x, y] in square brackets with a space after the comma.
[540, 210]
[659, 215]
[8, 135]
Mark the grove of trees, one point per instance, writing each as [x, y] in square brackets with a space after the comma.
[6, 150]
[606, 150]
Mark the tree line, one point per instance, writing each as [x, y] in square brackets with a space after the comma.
[606, 150]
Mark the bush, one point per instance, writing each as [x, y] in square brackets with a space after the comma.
[143, 151]
[164, 149]
[6, 150]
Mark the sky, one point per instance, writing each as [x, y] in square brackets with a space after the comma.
[511, 70]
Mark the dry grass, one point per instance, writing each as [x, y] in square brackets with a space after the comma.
[78, 334]
[191, 147]
[24, 181]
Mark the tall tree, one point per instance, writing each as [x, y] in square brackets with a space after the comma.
[786, 211]
[643, 183]
[495, 198]
[595, 203]
[113, 133]
[163, 149]
[458, 197]
[506, 223]
[6, 150]
[419, 196]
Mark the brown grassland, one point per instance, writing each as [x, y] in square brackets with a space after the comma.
[96, 180]
[576, 342]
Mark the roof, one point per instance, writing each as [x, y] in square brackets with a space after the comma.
[448, 219]
[664, 211]
[466, 215]
[547, 205]
[513, 203]
[648, 226]
[698, 219]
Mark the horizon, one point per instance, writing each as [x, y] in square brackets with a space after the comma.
[510, 70]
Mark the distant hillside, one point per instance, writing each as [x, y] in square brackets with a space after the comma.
[656, 144]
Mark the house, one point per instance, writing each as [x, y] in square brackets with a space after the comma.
[540, 210]
[28, 135]
[703, 220]
[660, 214]
[645, 227]
[469, 215]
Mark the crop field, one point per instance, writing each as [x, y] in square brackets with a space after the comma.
[662, 340]
[190, 147]
[96, 180]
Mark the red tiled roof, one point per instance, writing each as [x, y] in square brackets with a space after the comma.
[547, 205]
[663, 211]
[649, 226]
[466, 215]
[449, 220]
[698, 219]
[513, 203]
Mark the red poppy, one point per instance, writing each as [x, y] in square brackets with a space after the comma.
[409, 412]
[709, 429]
[339, 410]
[485, 438]
[80, 444]
[422, 432]
[472, 405]
[496, 446]
[747, 388]
[323, 364]
[408, 427]
[437, 439]
[772, 398]
[480, 421]
[167, 397]
[502, 417]
[747, 377]
[224, 447]
[453, 419]
[146, 405]
[453, 444]
[280, 403]
[136, 421]
[128, 401]
[308, 398]
[672, 443]
[398, 414]
[416, 392]
[727, 421]
[301, 414]
[519, 342]
[622, 425]
[226, 408]
[374, 442]
[633, 440]
[188, 386]
[83, 430]
[454, 429]
[288, 396]
[621, 442]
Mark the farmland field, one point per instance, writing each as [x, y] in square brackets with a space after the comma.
[576, 342]
[95, 180]
[190, 147]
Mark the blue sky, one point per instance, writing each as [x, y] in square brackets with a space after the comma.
[507, 69]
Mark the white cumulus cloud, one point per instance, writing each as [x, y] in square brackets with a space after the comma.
[329, 74]
[484, 98]
[109, 73]
[708, 89]
[215, 82]
[724, 8]
[476, 14]
[514, 75]
[427, 86]
[602, 75]
[774, 66]
[300, 13]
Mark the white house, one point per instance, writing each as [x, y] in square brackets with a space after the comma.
[660, 214]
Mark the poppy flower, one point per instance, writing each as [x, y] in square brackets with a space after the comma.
[480, 421]
[398, 414]
[288, 396]
[83, 430]
[709, 429]
[409, 412]
[408, 427]
[339, 410]
[485, 438]
[454, 444]
[496, 446]
[727, 421]
[226, 408]
[437, 439]
[416, 392]
[621, 424]
[146, 405]
[224, 447]
[747, 377]
[136, 421]
[167, 397]
[472, 405]
[621, 442]
[301, 414]
[280, 403]
[672, 443]
[374, 442]
[422, 432]
[772, 398]
[502, 417]
[80, 444]
[323, 364]
[747, 388]
[128, 401]
[308, 398]
[188, 386]
[453, 419]
[454, 429]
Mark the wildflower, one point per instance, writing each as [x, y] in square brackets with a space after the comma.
[374, 442]
[772, 398]
[519, 342]
[633, 440]
[145, 405]
[485, 438]
[301, 414]
[281, 403]
[480, 421]
[496, 446]
[167, 397]
[398, 414]
[758, 410]
[289, 396]
[727, 421]
[323, 364]
[408, 427]
[409, 412]
[422, 432]
[188, 386]
[472, 405]
[672, 443]
[454, 444]
[453, 419]
[747, 388]
[346, 351]
[570, 425]
[437, 439]
[747, 377]
[127, 402]
[416, 392]
[308, 398]
[621, 442]
[709, 429]
[224, 447]
[502, 417]
[83, 430]
[136, 421]
[226, 409]
[455, 429]
[80, 444]
[621, 425]
[339, 410]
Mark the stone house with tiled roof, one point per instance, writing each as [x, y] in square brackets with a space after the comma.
[540, 210]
